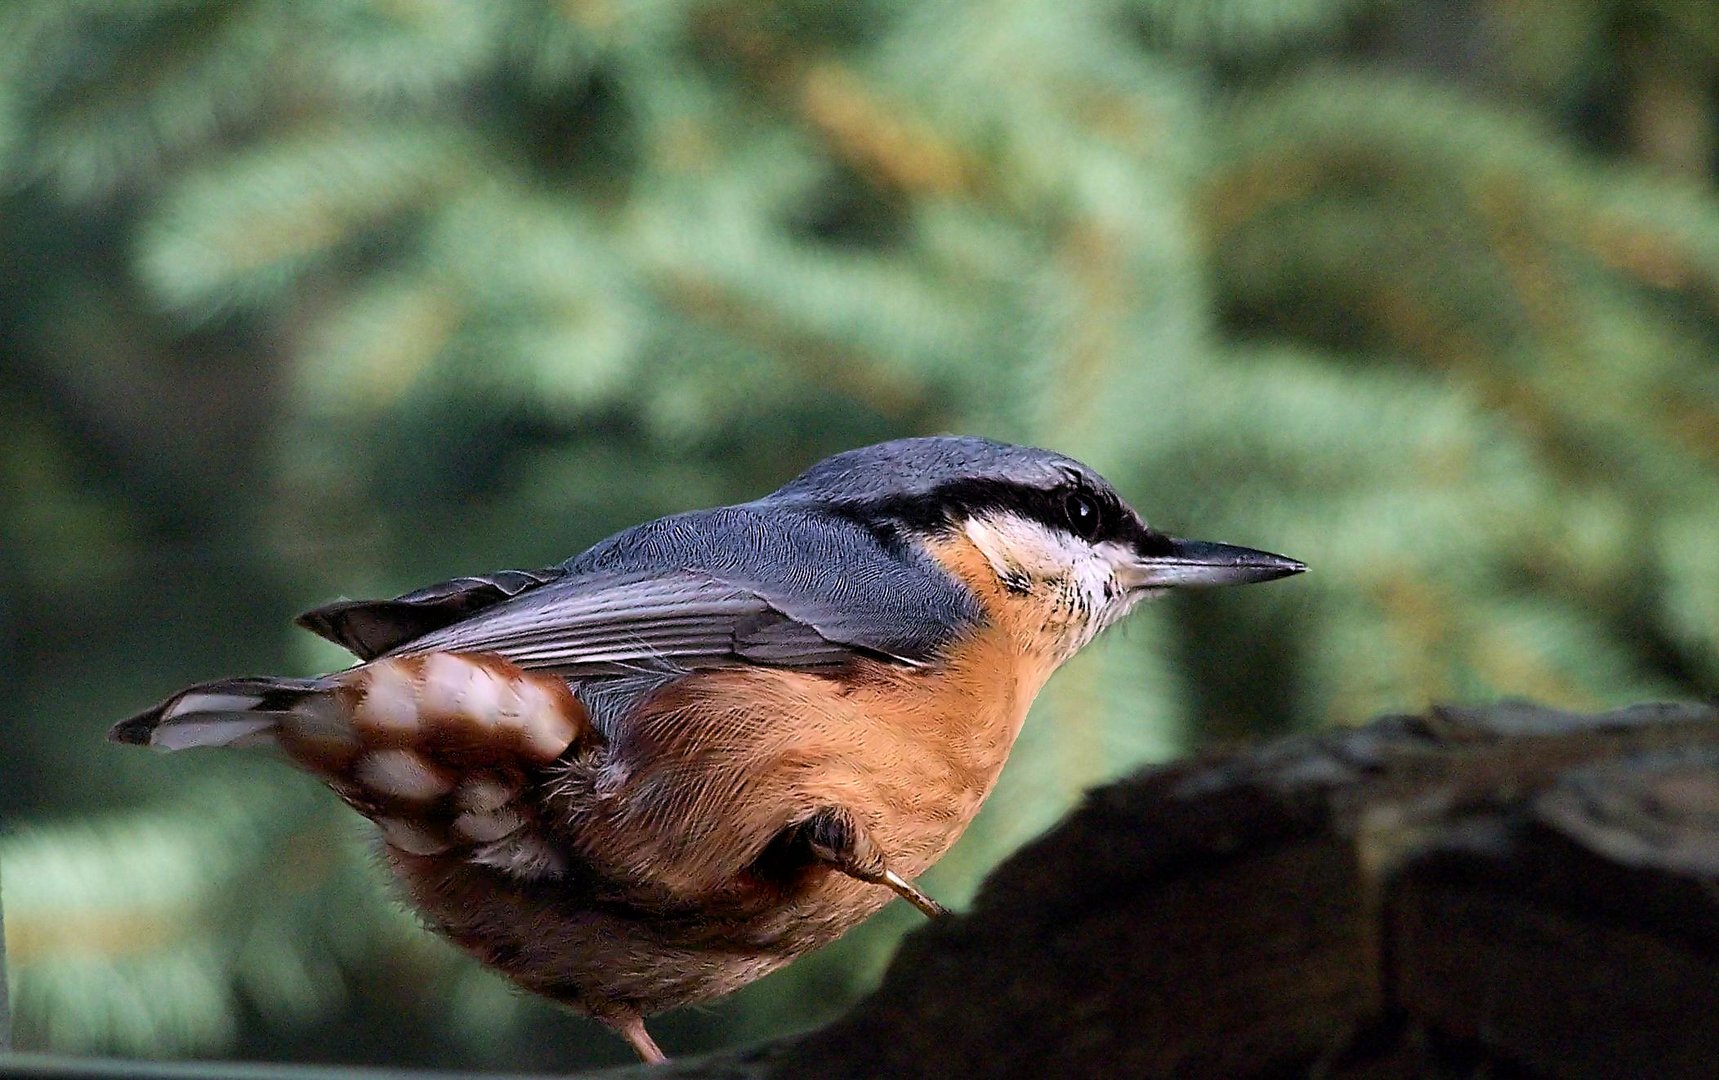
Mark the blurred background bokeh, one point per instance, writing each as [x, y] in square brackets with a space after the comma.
[332, 297]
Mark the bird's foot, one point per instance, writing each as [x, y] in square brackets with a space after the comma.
[631, 1027]
[835, 838]
[910, 892]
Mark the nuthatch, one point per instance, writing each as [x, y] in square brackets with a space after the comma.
[717, 740]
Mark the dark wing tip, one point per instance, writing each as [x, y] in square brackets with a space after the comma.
[320, 621]
[369, 628]
[136, 730]
[366, 628]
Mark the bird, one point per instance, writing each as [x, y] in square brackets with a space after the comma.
[717, 740]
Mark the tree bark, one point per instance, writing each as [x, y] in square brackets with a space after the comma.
[1508, 892]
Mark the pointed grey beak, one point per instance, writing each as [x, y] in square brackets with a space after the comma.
[1201, 564]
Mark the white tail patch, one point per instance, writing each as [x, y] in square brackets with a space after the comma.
[200, 702]
[523, 855]
[490, 827]
[454, 686]
[390, 702]
[410, 838]
[402, 774]
[484, 795]
[238, 729]
[421, 700]
[439, 749]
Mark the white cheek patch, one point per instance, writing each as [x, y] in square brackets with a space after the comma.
[999, 538]
[1028, 555]
[1018, 547]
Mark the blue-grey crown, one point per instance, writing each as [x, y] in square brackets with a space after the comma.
[907, 469]
[933, 482]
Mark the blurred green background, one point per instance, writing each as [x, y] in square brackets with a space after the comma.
[330, 297]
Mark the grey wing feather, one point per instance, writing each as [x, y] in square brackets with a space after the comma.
[873, 592]
[369, 628]
[602, 624]
[757, 583]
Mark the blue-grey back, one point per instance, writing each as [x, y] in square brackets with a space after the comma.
[860, 589]
[804, 576]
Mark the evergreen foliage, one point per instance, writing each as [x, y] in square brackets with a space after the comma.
[342, 296]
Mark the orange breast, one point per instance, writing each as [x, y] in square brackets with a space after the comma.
[675, 813]
[719, 763]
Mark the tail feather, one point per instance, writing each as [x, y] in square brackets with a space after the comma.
[441, 750]
[227, 712]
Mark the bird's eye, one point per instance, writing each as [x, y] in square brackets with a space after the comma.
[1081, 512]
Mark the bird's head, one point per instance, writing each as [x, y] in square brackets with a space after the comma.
[1051, 531]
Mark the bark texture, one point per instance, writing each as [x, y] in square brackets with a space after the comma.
[1503, 892]
[1508, 891]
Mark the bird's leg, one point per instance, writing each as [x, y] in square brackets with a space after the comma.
[910, 892]
[835, 838]
[631, 1027]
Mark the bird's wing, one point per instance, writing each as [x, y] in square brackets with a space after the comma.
[761, 584]
[605, 624]
[369, 628]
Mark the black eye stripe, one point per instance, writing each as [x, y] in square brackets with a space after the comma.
[1049, 506]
